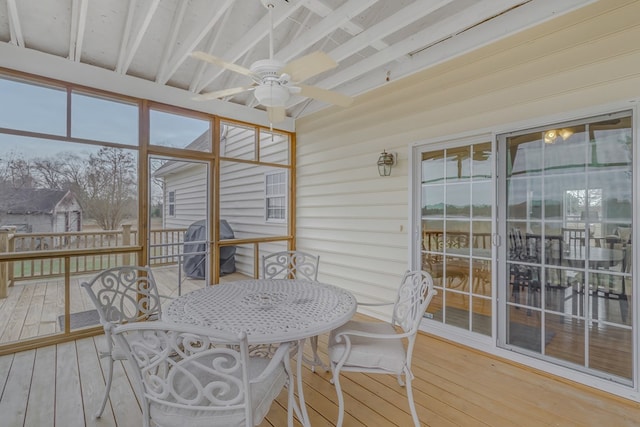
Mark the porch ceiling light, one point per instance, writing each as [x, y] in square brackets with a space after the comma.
[552, 135]
[385, 163]
[273, 95]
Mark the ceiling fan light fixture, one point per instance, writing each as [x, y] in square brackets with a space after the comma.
[272, 95]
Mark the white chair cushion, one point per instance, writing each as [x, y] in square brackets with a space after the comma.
[262, 395]
[371, 353]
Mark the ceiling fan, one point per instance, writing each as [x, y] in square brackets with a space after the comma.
[274, 81]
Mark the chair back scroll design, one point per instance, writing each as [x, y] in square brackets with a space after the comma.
[378, 347]
[122, 295]
[290, 265]
[294, 265]
[413, 297]
[187, 375]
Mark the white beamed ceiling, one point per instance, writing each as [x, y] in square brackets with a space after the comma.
[141, 47]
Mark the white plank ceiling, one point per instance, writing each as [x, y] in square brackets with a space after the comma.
[372, 40]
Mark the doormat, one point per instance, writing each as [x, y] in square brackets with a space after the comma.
[81, 319]
[520, 335]
[525, 336]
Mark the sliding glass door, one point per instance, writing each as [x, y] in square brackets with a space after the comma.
[456, 209]
[539, 254]
[566, 200]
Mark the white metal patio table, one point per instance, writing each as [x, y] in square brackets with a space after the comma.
[269, 311]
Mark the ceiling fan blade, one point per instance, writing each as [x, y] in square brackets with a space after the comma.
[222, 93]
[308, 66]
[223, 64]
[276, 114]
[324, 95]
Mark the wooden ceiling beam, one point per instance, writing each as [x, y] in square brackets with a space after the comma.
[78, 26]
[440, 30]
[14, 24]
[176, 24]
[193, 39]
[326, 26]
[131, 44]
[504, 25]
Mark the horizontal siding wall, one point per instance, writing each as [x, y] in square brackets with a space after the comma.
[358, 221]
[242, 204]
[190, 186]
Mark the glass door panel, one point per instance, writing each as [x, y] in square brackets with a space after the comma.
[456, 209]
[567, 223]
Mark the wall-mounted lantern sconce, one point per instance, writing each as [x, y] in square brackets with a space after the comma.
[386, 162]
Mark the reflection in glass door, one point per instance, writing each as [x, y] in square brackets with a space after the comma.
[456, 211]
[566, 218]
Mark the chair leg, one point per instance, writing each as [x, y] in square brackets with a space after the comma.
[292, 404]
[336, 383]
[107, 388]
[412, 404]
[316, 358]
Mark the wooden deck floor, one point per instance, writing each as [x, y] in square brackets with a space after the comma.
[61, 386]
[33, 308]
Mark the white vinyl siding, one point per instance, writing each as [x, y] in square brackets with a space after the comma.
[358, 222]
[189, 184]
[242, 204]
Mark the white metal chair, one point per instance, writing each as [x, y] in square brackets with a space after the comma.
[191, 376]
[294, 265]
[122, 295]
[379, 347]
[290, 265]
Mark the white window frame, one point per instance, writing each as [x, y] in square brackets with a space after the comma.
[268, 195]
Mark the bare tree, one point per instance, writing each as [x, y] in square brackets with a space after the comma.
[15, 171]
[48, 170]
[108, 192]
[65, 171]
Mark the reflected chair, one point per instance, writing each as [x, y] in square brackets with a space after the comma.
[122, 295]
[379, 347]
[294, 265]
[290, 265]
[617, 288]
[524, 264]
[192, 376]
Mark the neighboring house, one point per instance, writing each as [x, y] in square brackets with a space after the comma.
[39, 210]
[253, 198]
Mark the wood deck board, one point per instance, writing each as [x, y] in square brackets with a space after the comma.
[41, 403]
[475, 370]
[454, 386]
[68, 410]
[13, 403]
